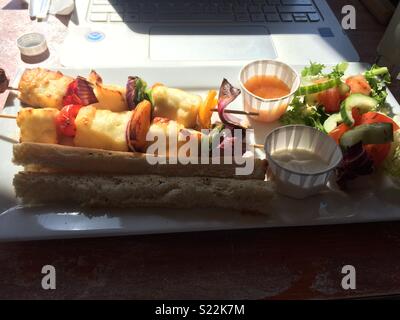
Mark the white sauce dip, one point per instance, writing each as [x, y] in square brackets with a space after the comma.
[300, 160]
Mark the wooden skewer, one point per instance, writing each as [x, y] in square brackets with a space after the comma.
[8, 116]
[238, 112]
[258, 146]
[9, 89]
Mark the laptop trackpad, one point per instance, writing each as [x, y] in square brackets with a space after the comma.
[210, 43]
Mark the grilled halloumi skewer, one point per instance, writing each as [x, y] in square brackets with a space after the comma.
[99, 129]
[47, 89]
[44, 88]
[51, 89]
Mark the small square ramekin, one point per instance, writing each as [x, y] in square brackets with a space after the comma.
[269, 110]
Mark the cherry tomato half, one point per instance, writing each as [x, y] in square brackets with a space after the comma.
[337, 133]
[65, 120]
[331, 100]
[374, 117]
[358, 84]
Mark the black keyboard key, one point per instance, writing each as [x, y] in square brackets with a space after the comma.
[254, 9]
[148, 17]
[296, 2]
[201, 17]
[242, 17]
[131, 17]
[131, 7]
[211, 9]
[148, 8]
[273, 17]
[286, 17]
[257, 17]
[237, 8]
[225, 8]
[314, 17]
[296, 9]
[300, 17]
[274, 2]
[269, 9]
[197, 8]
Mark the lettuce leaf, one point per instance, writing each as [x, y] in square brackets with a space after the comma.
[299, 112]
[339, 70]
[314, 69]
[378, 78]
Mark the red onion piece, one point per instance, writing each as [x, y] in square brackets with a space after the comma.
[80, 91]
[131, 92]
[228, 93]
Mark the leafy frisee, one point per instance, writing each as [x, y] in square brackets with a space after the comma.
[378, 78]
[339, 70]
[315, 69]
[299, 112]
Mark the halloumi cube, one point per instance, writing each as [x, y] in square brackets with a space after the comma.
[109, 96]
[177, 105]
[102, 129]
[43, 88]
[38, 125]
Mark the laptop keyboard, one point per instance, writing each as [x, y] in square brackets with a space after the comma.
[218, 11]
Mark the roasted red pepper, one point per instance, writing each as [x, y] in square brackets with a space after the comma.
[65, 120]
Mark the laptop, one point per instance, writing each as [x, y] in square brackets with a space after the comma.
[118, 33]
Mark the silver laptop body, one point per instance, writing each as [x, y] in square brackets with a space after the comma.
[116, 33]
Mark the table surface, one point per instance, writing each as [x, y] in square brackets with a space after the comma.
[283, 263]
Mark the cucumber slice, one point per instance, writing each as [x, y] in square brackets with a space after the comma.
[318, 87]
[357, 100]
[332, 122]
[374, 133]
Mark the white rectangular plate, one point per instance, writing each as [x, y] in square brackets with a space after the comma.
[22, 223]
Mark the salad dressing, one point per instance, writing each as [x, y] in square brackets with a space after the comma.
[267, 87]
[300, 160]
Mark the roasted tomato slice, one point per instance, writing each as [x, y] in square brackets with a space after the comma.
[358, 84]
[374, 117]
[378, 152]
[65, 120]
[337, 133]
[330, 99]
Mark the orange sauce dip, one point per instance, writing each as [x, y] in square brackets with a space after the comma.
[267, 87]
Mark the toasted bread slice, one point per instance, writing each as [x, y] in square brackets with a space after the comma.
[144, 191]
[84, 160]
